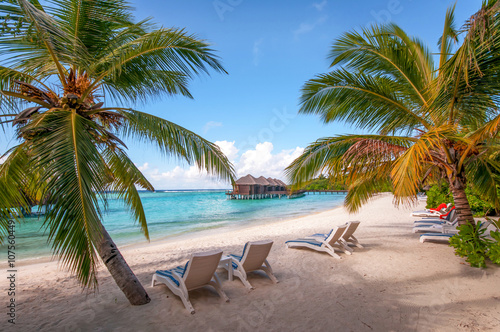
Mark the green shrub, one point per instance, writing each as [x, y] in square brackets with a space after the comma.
[441, 193]
[437, 194]
[471, 242]
[479, 207]
[494, 250]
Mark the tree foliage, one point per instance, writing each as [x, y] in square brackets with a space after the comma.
[430, 120]
[60, 61]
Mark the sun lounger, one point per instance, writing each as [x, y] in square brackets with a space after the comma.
[425, 213]
[253, 258]
[434, 228]
[198, 272]
[448, 220]
[347, 238]
[328, 245]
[432, 213]
[442, 206]
[446, 233]
[422, 196]
[442, 237]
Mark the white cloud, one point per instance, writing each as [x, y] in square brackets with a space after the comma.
[257, 161]
[144, 167]
[228, 149]
[319, 6]
[182, 178]
[308, 27]
[261, 161]
[257, 53]
[211, 124]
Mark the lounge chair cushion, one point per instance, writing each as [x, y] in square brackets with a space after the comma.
[235, 266]
[310, 241]
[180, 270]
[438, 234]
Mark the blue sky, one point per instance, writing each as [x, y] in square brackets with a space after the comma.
[269, 48]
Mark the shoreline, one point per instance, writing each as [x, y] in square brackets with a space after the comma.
[178, 237]
[395, 283]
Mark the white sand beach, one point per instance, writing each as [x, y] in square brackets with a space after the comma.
[395, 283]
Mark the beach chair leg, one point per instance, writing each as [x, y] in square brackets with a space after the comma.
[333, 254]
[344, 248]
[153, 281]
[269, 274]
[356, 242]
[187, 304]
[269, 271]
[219, 290]
[243, 278]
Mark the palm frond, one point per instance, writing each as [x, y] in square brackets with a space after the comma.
[410, 167]
[55, 41]
[361, 190]
[74, 176]
[344, 156]
[177, 141]
[449, 36]
[157, 62]
[126, 178]
[366, 101]
[380, 51]
[14, 200]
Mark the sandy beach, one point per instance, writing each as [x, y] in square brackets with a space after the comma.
[395, 283]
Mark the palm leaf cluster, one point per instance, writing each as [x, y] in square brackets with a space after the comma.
[432, 117]
[66, 56]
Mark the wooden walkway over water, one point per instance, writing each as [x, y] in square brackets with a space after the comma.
[288, 194]
[326, 191]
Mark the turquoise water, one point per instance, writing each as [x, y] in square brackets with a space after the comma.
[173, 213]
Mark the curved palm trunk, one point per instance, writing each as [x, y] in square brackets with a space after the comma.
[462, 206]
[120, 271]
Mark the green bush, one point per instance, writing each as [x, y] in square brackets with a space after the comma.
[322, 183]
[478, 206]
[441, 193]
[494, 250]
[437, 194]
[471, 242]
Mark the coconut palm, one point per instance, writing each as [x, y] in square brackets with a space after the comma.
[59, 61]
[428, 120]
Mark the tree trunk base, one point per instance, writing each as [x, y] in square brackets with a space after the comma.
[121, 272]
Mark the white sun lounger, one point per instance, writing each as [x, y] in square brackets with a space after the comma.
[434, 228]
[424, 213]
[449, 220]
[446, 233]
[442, 237]
[347, 238]
[198, 272]
[253, 258]
[430, 213]
[327, 245]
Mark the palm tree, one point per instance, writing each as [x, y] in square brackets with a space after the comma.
[427, 121]
[61, 60]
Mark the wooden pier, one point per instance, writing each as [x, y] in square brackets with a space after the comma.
[231, 194]
[326, 191]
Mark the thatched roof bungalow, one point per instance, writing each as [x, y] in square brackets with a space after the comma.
[260, 187]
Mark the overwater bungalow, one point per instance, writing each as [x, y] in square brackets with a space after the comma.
[249, 187]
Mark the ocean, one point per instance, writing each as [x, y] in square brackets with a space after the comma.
[176, 212]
